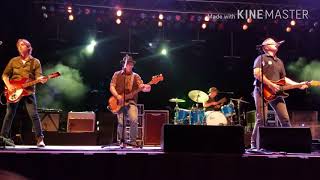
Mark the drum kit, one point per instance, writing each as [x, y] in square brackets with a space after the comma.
[197, 115]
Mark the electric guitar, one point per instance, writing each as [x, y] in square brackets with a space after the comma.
[269, 95]
[115, 106]
[20, 87]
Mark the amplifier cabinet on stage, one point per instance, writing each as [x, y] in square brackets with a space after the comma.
[203, 139]
[50, 120]
[81, 121]
[286, 139]
[153, 122]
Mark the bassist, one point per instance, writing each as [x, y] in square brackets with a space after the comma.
[127, 81]
[273, 70]
[23, 66]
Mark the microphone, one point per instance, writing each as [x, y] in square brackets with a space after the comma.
[125, 62]
[281, 42]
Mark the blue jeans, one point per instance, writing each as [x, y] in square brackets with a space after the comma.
[278, 105]
[130, 112]
[31, 106]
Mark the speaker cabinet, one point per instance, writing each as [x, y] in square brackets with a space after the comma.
[81, 122]
[203, 139]
[286, 139]
[153, 122]
[50, 120]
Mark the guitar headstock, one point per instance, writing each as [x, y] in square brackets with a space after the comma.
[155, 79]
[54, 75]
[313, 83]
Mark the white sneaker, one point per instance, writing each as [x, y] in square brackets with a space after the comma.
[40, 142]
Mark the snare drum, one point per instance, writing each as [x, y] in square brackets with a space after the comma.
[182, 116]
[197, 117]
[215, 118]
[228, 110]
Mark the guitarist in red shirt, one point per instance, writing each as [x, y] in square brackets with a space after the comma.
[126, 81]
[23, 66]
[273, 71]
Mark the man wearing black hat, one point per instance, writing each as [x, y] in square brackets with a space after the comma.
[127, 81]
[273, 70]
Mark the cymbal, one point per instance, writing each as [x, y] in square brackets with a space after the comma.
[198, 96]
[176, 100]
[239, 100]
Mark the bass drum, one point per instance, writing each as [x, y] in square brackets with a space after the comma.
[215, 118]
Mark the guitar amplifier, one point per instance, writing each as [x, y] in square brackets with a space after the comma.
[153, 122]
[81, 121]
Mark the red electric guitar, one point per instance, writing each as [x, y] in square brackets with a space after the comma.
[20, 85]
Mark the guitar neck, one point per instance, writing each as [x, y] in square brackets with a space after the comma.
[288, 87]
[133, 93]
[31, 83]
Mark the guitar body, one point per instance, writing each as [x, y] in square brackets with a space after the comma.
[18, 93]
[269, 95]
[20, 87]
[114, 107]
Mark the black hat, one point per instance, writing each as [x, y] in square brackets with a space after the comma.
[130, 59]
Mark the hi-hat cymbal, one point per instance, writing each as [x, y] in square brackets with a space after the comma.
[198, 96]
[239, 100]
[176, 100]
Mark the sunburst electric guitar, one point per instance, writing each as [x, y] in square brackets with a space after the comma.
[115, 106]
[269, 95]
[20, 87]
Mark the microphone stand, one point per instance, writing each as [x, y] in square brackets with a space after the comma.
[124, 121]
[259, 48]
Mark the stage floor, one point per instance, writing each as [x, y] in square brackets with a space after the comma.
[148, 150]
[112, 162]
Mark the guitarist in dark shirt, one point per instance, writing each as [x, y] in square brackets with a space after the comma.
[23, 66]
[117, 88]
[273, 70]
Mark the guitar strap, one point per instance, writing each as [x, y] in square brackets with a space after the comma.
[32, 69]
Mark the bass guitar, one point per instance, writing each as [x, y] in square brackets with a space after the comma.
[115, 106]
[20, 87]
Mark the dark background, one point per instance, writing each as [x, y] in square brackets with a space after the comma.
[189, 65]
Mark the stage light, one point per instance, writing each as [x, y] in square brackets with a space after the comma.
[45, 15]
[288, 29]
[69, 9]
[90, 47]
[150, 44]
[292, 22]
[118, 21]
[43, 8]
[161, 16]
[164, 51]
[143, 15]
[249, 20]
[192, 18]
[87, 11]
[207, 18]
[119, 13]
[204, 26]
[178, 17]
[71, 17]
[160, 24]
[245, 27]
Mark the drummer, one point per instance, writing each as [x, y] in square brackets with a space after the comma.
[213, 104]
